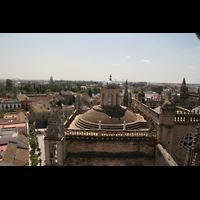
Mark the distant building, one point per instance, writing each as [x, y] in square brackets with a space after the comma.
[14, 143]
[7, 104]
[25, 102]
[51, 80]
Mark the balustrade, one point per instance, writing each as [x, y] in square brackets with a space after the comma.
[187, 117]
[110, 134]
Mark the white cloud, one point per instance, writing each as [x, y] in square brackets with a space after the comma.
[193, 72]
[191, 67]
[116, 64]
[146, 61]
[128, 56]
[198, 48]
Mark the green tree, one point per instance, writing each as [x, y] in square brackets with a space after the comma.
[155, 88]
[34, 160]
[90, 92]
[96, 90]
[9, 84]
[136, 90]
[70, 102]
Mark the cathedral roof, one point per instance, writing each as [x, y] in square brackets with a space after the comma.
[110, 84]
[109, 116]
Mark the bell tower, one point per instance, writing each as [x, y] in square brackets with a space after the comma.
[110, 93]
[125, 100]
[184, 90]
[54, 140]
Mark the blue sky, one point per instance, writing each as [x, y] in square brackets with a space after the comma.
[151, 57]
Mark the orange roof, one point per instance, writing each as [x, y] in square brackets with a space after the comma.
[13, 125]
[10, 116]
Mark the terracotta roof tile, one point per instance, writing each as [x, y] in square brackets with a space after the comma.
[21, 157]
[9, 154]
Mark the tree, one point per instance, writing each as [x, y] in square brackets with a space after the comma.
[9, 84]
[96, 90]
[155, 88]
[70, 102]
[136, 90]
[90, 92]
[34, 160]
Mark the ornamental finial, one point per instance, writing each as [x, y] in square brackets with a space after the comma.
[110, 78]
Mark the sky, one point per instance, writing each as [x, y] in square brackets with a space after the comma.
[151, 57]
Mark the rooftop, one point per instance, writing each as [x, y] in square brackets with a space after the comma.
[12, 154]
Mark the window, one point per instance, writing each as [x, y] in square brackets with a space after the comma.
[186, 141]
[116, 100]
[110, 98]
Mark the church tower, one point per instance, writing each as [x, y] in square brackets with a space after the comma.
[184, 90]
[165, 128]
[110, 93]
[141, 96]
[54, 140]
[125, 100]
[51, 80]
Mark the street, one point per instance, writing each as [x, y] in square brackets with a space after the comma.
[41, 145]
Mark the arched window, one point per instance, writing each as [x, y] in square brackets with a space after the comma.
[110, 98]
[116, 100]
[186, 141]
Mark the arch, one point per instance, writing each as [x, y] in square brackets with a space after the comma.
[110, 100]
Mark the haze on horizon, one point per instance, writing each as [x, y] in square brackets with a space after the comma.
[150, 57]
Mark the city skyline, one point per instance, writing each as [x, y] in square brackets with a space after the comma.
[150, 57]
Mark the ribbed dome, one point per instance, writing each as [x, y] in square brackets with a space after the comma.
[110, 119]
[110, 84]
[109, 116]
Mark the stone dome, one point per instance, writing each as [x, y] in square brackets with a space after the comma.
[109, 116]
[110, 84]
[112, 118]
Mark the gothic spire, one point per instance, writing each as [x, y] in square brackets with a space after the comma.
[183, 82]
[125, 101]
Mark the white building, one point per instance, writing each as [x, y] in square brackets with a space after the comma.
[7, 104]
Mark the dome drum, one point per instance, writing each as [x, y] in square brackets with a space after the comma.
[110, 93]
[111, 118]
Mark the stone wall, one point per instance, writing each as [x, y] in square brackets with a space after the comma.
[40, 118]
[87, 152]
